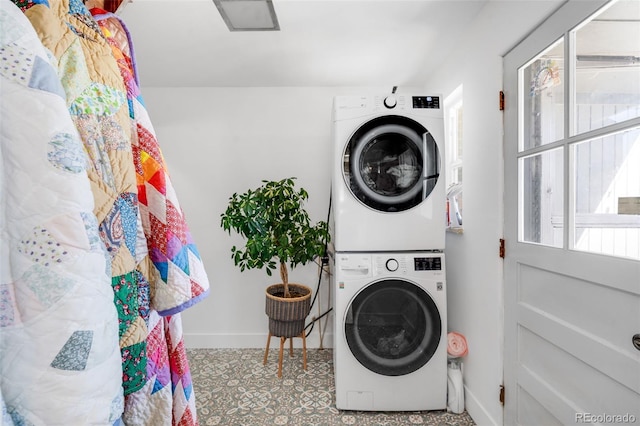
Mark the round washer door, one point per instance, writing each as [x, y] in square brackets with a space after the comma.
[393, 327]
[391, 163]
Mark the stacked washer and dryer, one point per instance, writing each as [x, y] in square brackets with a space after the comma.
[388, 233]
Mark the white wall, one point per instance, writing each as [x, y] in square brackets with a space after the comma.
[474, 269]
[220, 140]
[217, 141]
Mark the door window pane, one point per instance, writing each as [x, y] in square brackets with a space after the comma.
[607, 64]
[542, 83]
[542, 191]
[607, 190]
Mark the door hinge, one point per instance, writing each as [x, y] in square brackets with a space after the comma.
[501, 395]
[501, 100]
[502, 248]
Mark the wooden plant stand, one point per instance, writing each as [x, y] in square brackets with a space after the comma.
[280, 356]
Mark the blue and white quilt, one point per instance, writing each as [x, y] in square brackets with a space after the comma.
[58, 323]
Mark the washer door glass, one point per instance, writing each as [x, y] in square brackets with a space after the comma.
[393, 327]
[391, 164]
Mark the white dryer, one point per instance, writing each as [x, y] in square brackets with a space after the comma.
[388, 193]
[390, 348]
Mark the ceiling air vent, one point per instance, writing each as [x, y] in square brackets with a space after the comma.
[248, 15]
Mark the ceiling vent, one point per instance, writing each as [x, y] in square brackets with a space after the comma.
[248, 15]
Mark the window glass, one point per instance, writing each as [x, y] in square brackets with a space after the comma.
[454, 137]
[542, 195]
[607, 67]
[607, 194]
[542, 98]
[604, 176]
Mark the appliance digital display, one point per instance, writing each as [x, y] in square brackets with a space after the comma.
[426, 102]
[427, 264]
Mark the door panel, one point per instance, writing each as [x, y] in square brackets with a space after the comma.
[570, 315]
[569, 324]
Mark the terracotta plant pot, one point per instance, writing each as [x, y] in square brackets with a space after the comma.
[287, 315]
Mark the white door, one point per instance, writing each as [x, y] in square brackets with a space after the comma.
[572, 218]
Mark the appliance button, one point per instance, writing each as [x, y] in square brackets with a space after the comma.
[390, 102]
[392, 265]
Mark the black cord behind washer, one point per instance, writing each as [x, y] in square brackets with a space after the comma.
[324, 261]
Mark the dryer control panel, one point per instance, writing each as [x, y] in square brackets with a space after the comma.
[426, 102]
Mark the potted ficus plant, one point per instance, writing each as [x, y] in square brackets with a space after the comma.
[279, 235]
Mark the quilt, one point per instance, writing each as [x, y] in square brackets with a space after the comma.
[96, 98]
[59, 340]
[178, 276]
[156, 271]
[176, 266]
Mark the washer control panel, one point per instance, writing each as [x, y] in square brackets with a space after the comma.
[427, 263]
[361, 265]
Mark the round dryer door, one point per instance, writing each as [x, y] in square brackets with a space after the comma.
[391, 163]
[393, 327]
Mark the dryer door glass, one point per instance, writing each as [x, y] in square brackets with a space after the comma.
[393, 327]
[391, 164]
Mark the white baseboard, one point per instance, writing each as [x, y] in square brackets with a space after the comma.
[477, 411]
[257, 340]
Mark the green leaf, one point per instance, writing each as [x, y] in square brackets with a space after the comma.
[275, 225]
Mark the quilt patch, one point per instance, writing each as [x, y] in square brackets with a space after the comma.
[24, 67]
[47, 286]
[73, 71]
[66, 153]
[144, 297]
[117, 407]
[17, 418]
[75, 352]
[42, 248]
[8, 310]
[134, 365]
[98, 99]
[100, 135]
[120, 226]
[45, 78]
[126, 299]
[26, 4]
[158, 368]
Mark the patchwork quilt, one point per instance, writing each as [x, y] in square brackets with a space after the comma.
[178, 277]
[96, 98]
[176, 267]
[58, 324]
[156, 271]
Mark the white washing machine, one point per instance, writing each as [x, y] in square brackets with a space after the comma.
[390, 348]
[387, 188]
